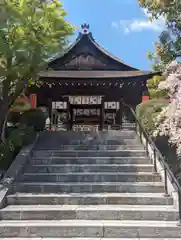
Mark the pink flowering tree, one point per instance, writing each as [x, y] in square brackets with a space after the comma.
[168, 122]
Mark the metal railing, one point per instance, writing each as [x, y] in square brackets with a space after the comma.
[157, 156]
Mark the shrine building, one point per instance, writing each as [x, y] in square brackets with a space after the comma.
[87, 85]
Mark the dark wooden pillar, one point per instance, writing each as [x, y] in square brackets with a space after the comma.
[50, 112]
[68, 114]
[66, 99]
[120, 113]
[102, 115]
[71, 117]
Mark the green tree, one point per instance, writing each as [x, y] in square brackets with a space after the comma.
[168, 47]
[30, 32]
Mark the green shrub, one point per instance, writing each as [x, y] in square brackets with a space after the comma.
[9, 130]
[154, 93]
[14, 117]
[34, 118]
[153, 87]
[44, 110]
[21, 136]
[18, 138]
[147, 113]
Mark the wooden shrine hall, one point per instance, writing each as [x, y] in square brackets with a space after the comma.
[87, 85]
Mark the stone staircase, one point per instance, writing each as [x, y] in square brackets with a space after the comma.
[99, 186]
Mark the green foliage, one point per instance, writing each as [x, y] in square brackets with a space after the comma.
[45, 111]
[13, 117]
[147, 113]
[153, 87]
[34, 118]
[30, 32]
[20, 137]
[11, 147]
[168, 48]
[158, 94]
[154, 82]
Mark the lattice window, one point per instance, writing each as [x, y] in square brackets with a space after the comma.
[59, 105]
[111, 105]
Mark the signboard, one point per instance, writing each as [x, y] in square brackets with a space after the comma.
[90, 100]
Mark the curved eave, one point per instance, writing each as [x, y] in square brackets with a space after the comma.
[96, 74]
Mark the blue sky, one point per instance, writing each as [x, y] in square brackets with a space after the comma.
[120, 26]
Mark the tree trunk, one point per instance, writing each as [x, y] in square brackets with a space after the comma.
[7, 101]
[4, 109]
[3, 120]
[3, 134]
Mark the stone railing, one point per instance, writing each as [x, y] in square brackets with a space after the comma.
[14, 171]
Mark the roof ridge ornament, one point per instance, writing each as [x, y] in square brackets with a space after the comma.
[85, 28]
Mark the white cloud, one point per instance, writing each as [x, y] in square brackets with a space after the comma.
[115, 25]
[137, 25]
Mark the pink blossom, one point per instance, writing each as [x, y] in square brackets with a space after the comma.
[168, 122]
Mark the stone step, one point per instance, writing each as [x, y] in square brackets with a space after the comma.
[91, 187]
[89, 199]
[52, 143]
[91, 177]
[91, 212]
[121, 141]
[89, 153]
[98, 147]
[90, 160]
[65, 168]
[128, 125]
[56, 143]
[90, 238]
[64, 136]
[90, 229]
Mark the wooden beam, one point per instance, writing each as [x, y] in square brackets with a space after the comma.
[102, 115]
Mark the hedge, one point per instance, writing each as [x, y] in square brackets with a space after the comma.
[34, 118]
[10, 148]
[30, 122]
[147, 113]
